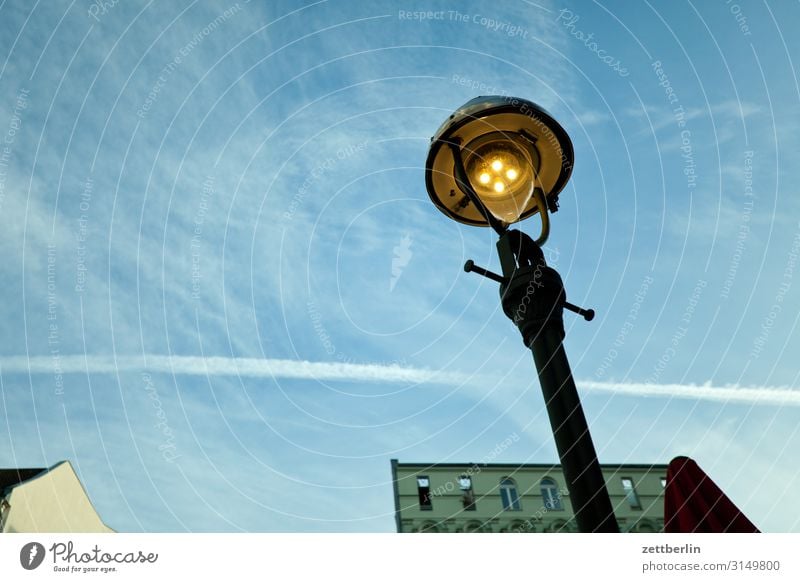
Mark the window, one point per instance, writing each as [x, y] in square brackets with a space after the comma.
[663, 482]
[550, 494]
[424, 492]
[630, 493]
[473, 527]
[465, 484]
[508, 494]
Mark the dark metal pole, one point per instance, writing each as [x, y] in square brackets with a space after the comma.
[587, 488]
[533, 298]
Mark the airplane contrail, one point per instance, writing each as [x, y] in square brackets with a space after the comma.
[770, 395]
[227, 366]
[378, 373]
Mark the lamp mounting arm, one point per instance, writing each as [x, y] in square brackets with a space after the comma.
[462, 180]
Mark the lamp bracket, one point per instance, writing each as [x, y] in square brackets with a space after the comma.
[463, 183]
[526, 277]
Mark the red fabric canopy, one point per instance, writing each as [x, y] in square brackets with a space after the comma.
[694, 504]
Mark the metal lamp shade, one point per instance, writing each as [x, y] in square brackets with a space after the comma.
[509, 147]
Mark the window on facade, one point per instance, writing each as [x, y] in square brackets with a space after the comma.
[424, 492]
[550, 494]
[645, 526]
[630, 493]
[663, 482]
[468, 495]
[508, 494]
[473, 527]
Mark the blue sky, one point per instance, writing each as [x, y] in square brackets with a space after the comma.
[228, 300]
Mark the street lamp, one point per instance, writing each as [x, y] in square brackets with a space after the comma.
[495, 161]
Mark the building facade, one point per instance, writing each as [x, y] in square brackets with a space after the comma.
[507, 498]
[46, 501]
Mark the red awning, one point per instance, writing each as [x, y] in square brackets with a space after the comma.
[694, 504]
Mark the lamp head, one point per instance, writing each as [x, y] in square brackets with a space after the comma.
[510, 148]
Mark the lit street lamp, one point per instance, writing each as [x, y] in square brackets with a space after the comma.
[496, 161]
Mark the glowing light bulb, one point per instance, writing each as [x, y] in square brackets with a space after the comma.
[497, 165]
[484, 178]
[511, 174]
[499, 186]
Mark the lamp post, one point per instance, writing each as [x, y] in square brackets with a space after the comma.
[496, 161]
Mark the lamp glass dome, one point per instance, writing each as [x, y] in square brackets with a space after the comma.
[502, 169]
[509, 147]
